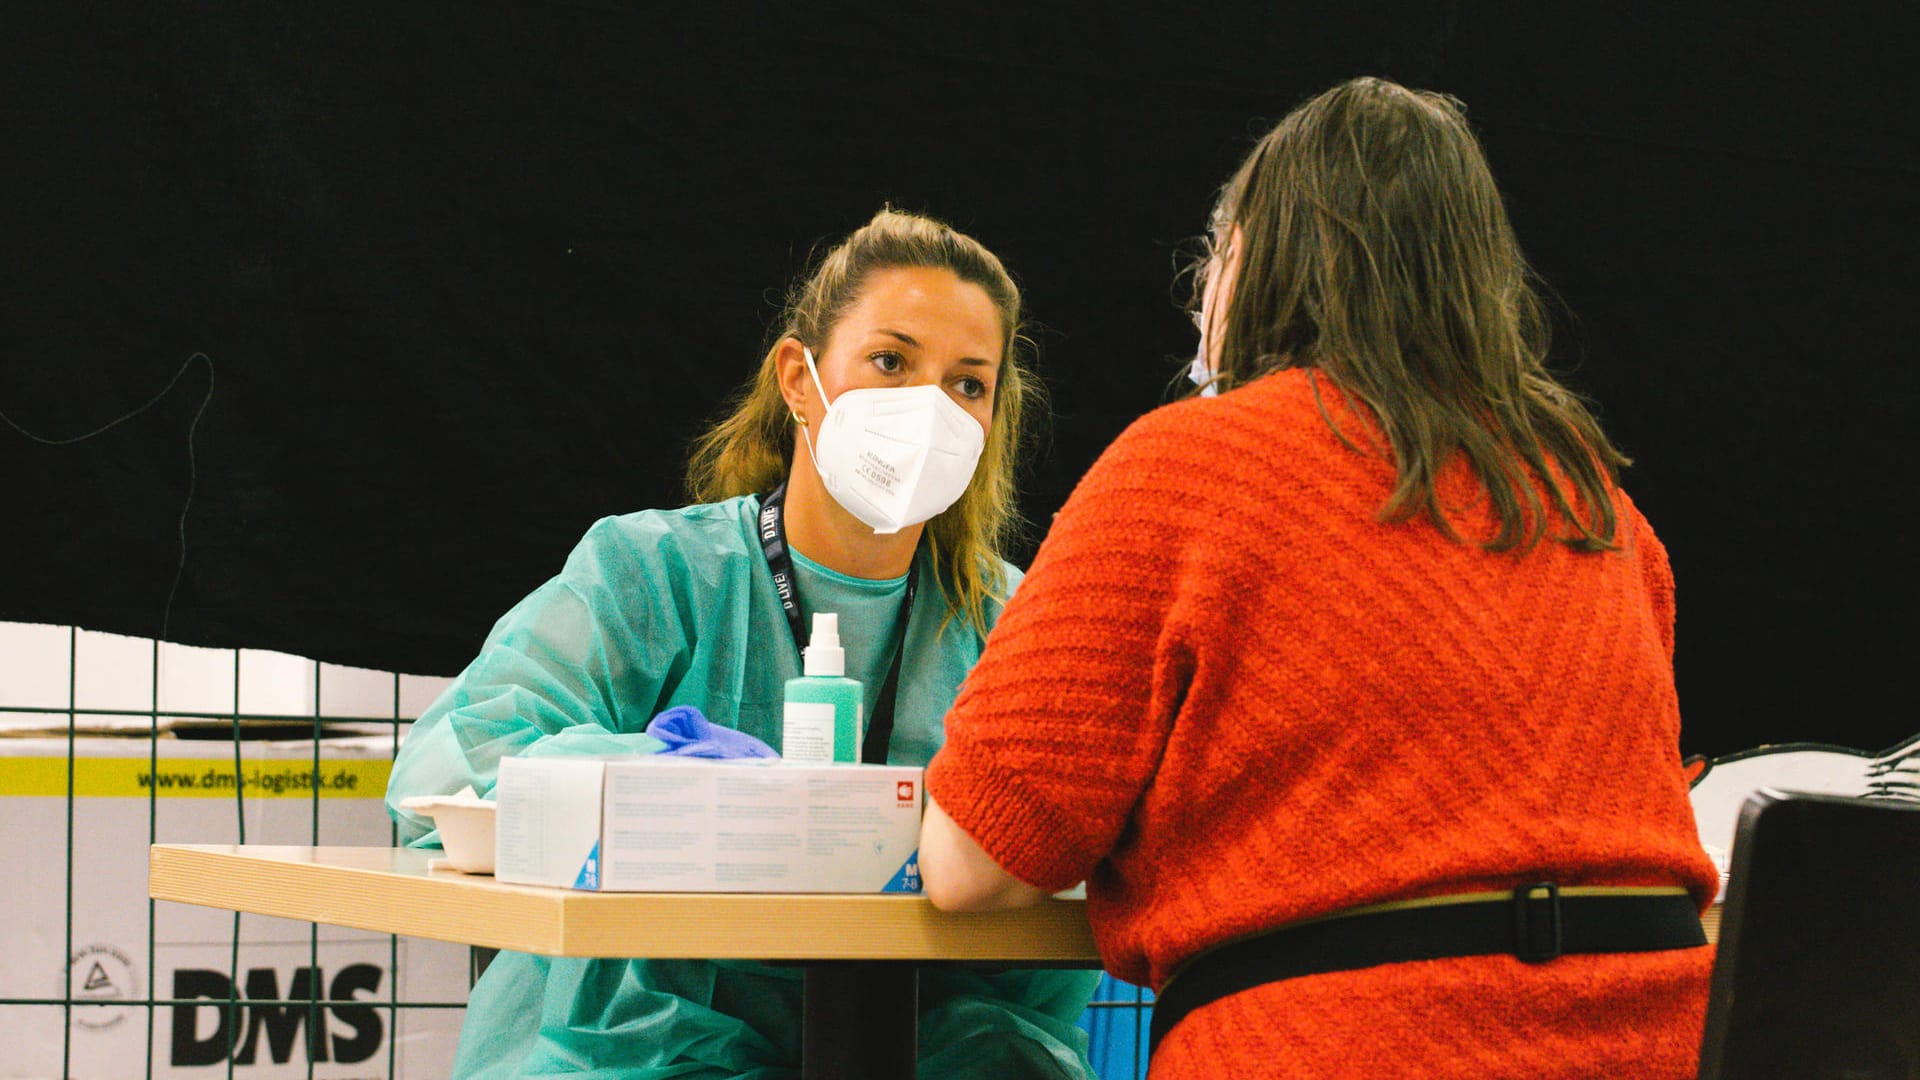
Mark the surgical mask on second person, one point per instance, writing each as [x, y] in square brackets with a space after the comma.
[894, 456]
[1198, 373]
[1201, 375]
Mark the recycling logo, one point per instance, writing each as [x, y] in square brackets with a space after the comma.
[98, 977]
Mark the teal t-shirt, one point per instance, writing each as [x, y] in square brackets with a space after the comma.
[869, 613]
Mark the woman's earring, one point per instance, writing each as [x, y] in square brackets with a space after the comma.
[797, 418]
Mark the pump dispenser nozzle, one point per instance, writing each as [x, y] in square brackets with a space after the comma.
[824, 654]
[823, 719]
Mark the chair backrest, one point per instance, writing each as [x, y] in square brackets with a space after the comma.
[1818, 969]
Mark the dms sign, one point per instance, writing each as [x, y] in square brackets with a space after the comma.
[254, 1022]
[272, 1030]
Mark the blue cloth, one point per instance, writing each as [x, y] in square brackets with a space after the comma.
[1117, 1029]
[688, 733]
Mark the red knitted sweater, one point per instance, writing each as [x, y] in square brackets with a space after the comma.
[1229, 698]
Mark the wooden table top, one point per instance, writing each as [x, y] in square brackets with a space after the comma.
[392, 890]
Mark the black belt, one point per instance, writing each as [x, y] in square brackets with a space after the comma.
[1534, 923]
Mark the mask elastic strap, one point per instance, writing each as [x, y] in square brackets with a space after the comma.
[805, 436]
[815, 372]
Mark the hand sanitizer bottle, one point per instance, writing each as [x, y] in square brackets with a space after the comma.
[823, 720]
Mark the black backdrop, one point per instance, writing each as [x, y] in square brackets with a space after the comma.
[469, 275]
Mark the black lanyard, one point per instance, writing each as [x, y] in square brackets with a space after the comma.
[773, 544]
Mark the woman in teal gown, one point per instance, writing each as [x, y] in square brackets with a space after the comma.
[664, 608]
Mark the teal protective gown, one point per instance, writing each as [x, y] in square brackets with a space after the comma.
[665, 608]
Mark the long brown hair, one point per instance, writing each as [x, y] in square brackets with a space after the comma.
[1374, 248]
[750, 449]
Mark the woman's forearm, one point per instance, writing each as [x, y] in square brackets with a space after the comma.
[959, 875]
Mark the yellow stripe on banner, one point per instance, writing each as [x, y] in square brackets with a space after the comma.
[194, 778]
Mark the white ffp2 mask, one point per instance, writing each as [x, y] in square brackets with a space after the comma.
[894, 456]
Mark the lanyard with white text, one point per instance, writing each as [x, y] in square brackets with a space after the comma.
[773, 544]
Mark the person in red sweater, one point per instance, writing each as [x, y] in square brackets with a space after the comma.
[1348, 691]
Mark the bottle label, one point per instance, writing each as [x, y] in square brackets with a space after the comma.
[807, 731]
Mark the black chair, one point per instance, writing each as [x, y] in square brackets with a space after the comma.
[1818, 969]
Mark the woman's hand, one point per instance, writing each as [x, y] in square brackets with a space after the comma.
[959, 875]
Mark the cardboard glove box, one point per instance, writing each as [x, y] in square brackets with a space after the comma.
[672, 824]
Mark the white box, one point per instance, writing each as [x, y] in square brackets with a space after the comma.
[103, 891]
[669, 824]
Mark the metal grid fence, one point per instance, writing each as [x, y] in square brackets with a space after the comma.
[278, 1017]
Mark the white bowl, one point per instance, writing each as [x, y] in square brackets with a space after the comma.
[466, 829]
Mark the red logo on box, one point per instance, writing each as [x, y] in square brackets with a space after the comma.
[904, 791]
